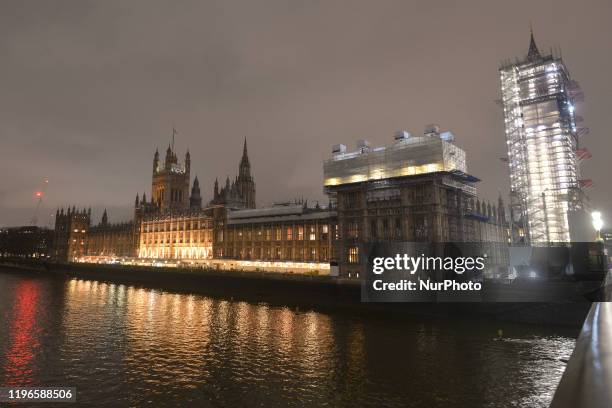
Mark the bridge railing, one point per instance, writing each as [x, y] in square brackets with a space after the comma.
[587, 380]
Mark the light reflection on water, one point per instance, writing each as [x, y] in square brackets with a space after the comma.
[123, 346]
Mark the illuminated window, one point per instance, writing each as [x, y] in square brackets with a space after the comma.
[312, 235]
[289, 234]
[300, 233]
[324, 232]
[353, 255]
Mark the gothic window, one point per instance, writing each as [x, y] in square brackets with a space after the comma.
[352, 230]
[398, 228]
[312, 235]
[421, 231]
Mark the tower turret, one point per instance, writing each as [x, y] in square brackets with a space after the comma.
[244, 170]
[195, 200]
[104, 220]
[156, 161]
[168, 159]
[244, 182]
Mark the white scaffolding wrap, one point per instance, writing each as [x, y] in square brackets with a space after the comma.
[541, 136]
[406, 157]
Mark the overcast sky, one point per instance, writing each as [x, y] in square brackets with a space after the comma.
[90, 89]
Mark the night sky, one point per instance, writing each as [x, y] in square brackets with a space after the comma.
[90, 89]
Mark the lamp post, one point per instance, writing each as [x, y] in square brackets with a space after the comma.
[597, 223]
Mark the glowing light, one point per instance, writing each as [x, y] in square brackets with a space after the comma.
[597, 220]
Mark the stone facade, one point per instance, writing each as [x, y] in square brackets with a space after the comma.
[241, 192]
[373, 198]
[183, 235]
[285, 232]
[70, 234]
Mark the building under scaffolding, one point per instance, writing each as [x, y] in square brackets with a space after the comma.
[542, 135]
[408, 156]
[416, 190]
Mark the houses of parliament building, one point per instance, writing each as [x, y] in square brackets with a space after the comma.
[416, 190]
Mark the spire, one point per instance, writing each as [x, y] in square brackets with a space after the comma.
[174, 133]
[244, 170]
[156, 160]
[104, 218]
[534, 53]
[137, 200]
[195, 201]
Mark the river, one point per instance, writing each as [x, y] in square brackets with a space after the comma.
[122, 345]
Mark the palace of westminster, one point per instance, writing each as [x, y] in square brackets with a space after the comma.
[416, 190]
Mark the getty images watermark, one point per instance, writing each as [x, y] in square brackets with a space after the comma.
[412, 265]
[481, 272]
[424, 272]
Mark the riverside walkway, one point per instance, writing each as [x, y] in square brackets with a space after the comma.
[587, 380]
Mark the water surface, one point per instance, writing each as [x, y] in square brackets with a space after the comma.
[129, 346]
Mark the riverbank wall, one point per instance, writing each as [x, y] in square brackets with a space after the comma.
[298, 291]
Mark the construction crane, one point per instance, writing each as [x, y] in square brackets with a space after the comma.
[40, 193]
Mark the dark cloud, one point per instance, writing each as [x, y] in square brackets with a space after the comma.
[89, 89]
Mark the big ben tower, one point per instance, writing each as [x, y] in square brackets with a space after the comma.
[539, 100]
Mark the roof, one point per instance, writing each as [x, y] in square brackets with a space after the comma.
[278, 213]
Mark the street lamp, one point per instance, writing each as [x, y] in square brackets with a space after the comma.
[597, 223]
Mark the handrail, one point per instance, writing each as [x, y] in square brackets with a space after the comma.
[587, 380]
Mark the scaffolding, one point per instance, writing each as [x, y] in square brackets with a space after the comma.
[543, 141]
[407, 156]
